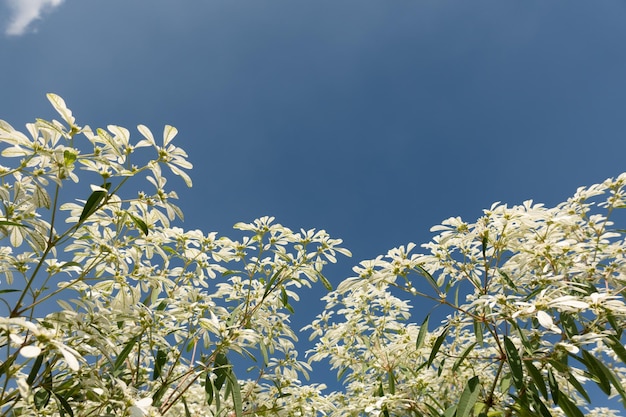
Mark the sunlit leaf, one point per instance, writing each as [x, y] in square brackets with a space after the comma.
[515, 363]
[598, 370]
[121, 358]
[437, 345]
[421, 336]
[537, 378]
[554, 386]
[461, 358]
[468, 398]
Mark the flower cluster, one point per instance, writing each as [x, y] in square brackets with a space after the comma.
[110, 308]
[531, 308]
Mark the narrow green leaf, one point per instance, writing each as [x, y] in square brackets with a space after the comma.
[119, 361]
[141, 225]
[8, 290]
[569, 408]
[93, 202]
[35, 370]
[450, 412]
[263, 349]
[617, 347]
[554, 386]
[70, 263]
[577, 385]
[484, 243]
[272, 280]
[156, 397]
[537, 378]
[222, 367]
[615, 324]
[421, 336]
[461, 358]
[392, 382]
[41, 398]
[508, 280]
[159, 360]
[569, 325]
[9, 223]
[187, 412]
[285, 300]
[64, 404]
[325, 282]
[468, 398]
[478, 332]
[515, 363]
[235, 390]
[208, 388]
[437, 345]
[428, 277]
[538, 405]
[599, 371]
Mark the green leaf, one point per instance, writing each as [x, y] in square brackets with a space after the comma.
[235, 390]
[141, 225]
[554, 386]
[64, 404]
[221, 369]
[428, 277]
[156, 397]
[41, 398]
[484, 243]
[537, 404]
[577, 385]
[392, 382]
[468, 398]
[508, 280]
[598, 370]
[159, 360]
[421, 336]
[537, 378]
[478, 332]
[450, 412]
[437, 345]
[263, 349]
[617, 347]
[569, 325]
[604, 376]
[93, 202]
[35, 370]
[272, 280]
[325, 282]
[461, 358]
[187, 412]
[568, 407]
[119, 361]
[515, 363]
[10, 223]
[70, 263]
[285, 300]
[208, 388]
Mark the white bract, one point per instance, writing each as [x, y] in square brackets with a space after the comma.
[149, 319]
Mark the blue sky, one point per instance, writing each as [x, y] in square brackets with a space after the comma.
[374, 120]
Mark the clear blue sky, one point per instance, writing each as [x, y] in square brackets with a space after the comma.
[371, 119]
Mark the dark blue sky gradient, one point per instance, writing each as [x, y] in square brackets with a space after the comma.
[374, 120]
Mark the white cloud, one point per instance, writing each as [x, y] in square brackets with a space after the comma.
[25, 12]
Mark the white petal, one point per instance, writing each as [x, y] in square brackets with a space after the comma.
[30, 351]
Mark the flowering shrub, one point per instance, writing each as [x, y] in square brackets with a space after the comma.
[111, 309]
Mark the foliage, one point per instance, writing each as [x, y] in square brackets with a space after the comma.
[153, 320]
